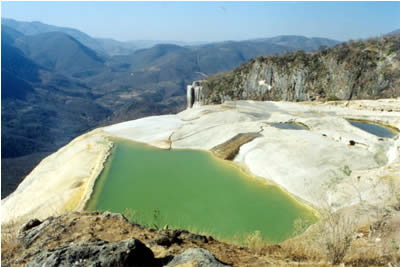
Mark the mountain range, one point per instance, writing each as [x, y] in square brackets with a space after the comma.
[59, 82]
[105, 46]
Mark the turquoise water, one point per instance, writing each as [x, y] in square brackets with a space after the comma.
[192, 190]
[373, 129]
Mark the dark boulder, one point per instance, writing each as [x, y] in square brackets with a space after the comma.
[30, 224]
[130, 252]
[32, 230]
[167, 238]
[198, 257]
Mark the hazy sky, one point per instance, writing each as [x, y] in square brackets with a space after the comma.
[213, 21]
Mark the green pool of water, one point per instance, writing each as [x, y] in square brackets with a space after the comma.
[192, 190]
[373, 129]
[287, 126]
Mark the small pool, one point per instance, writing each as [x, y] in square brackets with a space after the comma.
[373, 128]
[287, 126]
[191, 189]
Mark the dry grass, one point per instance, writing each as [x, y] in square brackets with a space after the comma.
[9, 242]
[256, 242]
[9, 245]
[372, 253]
[300, 250]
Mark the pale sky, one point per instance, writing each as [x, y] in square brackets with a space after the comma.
[213, 21]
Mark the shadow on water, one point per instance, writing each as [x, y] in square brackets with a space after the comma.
[373, 128]
[190, 189]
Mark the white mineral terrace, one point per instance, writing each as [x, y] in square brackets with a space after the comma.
[317, 165]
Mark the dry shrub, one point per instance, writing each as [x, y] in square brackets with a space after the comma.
[301, 247]
[9, 242]
[336, 232]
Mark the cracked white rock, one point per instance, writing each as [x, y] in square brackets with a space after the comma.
[317, 166]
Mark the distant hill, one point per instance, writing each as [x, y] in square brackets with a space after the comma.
[60, 52]
[296, 41]
[14, 61]
[141, 44]
[223, 56]
[17, 71]
[112, 47]
[9, 34]
[394, 32]
[105, 46]
[36, 27]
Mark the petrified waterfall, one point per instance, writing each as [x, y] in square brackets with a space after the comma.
[194, 94]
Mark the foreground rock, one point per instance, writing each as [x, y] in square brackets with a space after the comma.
[196, 257]
[102, 239]
[130, 252]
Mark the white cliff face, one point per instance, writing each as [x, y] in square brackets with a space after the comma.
[194, 94]
[318, 165]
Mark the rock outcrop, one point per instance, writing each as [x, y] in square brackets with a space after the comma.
[106, 239]
[127, 253]
[356, 70]
[196, 257]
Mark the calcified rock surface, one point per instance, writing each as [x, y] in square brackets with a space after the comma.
[331, 163]
[62, 182]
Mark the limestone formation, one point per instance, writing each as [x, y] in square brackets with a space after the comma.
[230, 148]
[318, 165]
[62, 182]
[105, 239]
[194, 93]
